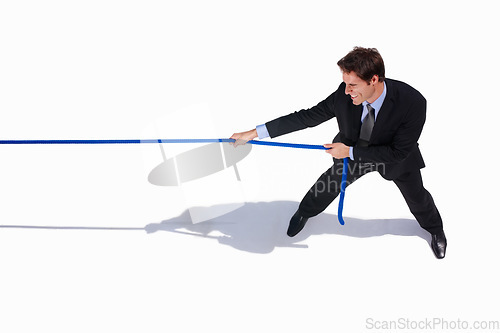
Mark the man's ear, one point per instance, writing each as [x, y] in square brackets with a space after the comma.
[374, 80]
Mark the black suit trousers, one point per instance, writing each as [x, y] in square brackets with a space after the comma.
[327, 188]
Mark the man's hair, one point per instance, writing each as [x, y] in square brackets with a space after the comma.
[365, 62]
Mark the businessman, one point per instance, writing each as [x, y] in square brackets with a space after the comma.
[380, 121]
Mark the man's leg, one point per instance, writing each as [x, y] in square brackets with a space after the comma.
[324, 191]
[420, 201]
[422, 206]
[327, 187]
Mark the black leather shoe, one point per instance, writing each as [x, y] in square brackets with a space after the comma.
[297, 223]
[438, 244]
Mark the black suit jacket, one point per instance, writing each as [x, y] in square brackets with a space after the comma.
[393, 145]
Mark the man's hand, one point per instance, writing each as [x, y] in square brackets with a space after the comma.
[337, 150]
[244, 137]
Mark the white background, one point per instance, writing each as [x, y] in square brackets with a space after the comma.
[88, 245]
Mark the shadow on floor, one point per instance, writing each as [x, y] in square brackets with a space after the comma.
[261, 227]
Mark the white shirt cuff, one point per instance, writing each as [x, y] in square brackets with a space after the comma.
[262, 131]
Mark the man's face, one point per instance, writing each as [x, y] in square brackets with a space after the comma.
[359, 89]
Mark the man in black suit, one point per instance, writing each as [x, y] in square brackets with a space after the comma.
[380, 121]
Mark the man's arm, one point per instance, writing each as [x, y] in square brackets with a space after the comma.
[337, 150]
[292, 122]
[243, 137]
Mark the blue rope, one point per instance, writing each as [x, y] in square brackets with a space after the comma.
[288, 145]
[95, 142]
[137, 141]
[343, 185]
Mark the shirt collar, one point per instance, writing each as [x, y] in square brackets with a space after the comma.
[377, 104]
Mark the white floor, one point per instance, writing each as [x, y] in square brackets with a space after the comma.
[87, 244]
